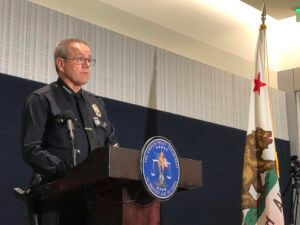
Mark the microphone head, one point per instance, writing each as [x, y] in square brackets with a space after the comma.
[68, 115]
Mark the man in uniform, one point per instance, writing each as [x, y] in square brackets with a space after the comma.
[46, 138]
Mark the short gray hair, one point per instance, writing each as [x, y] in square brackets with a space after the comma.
[61, 49]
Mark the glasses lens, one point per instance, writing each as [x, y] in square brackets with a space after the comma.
[82, 60]
[92, 62]
[79, 60]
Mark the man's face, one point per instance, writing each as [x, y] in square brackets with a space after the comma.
[72, 73]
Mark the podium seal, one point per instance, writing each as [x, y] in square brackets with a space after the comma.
[160, 168]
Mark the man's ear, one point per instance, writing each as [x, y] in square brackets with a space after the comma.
[59, 62]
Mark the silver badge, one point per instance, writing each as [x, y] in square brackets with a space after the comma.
[96, 110]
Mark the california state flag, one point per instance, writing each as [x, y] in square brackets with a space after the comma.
[261, 198]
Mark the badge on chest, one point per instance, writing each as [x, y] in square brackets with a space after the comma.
[97, 117]
[96, 110]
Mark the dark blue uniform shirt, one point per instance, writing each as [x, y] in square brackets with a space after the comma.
[45, 142]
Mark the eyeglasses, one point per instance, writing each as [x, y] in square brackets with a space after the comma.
[79, 60]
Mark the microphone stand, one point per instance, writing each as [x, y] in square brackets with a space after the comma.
[69, 122]
[74, 151]
[296, 193]
[71, 136]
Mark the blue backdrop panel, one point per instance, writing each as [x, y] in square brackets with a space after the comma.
[220, 148]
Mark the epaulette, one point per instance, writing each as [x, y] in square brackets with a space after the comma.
[44, 89]
[90, 94]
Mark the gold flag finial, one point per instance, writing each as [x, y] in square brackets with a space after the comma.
[263, 17]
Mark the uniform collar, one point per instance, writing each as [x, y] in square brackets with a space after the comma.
[67, 89]
[68, 92]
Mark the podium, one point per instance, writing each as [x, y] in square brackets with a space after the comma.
[111, 177]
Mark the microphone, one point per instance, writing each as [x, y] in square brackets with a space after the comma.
[68, 118]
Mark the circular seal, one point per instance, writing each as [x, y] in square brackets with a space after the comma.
[160, 168]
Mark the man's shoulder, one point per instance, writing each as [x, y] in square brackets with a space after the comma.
[88, 93]
[41, 94]
[91, 95]
[44, 90]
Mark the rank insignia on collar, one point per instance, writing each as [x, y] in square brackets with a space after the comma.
[96, 110]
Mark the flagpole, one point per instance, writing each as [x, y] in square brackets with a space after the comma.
[263, 15]
[264, 27]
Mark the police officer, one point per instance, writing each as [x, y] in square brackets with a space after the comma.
[45, 138]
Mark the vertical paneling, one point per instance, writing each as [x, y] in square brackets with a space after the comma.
[127, 69]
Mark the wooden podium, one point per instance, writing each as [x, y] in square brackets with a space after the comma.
[112, 178]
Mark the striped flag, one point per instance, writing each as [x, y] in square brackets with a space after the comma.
[261, 198]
